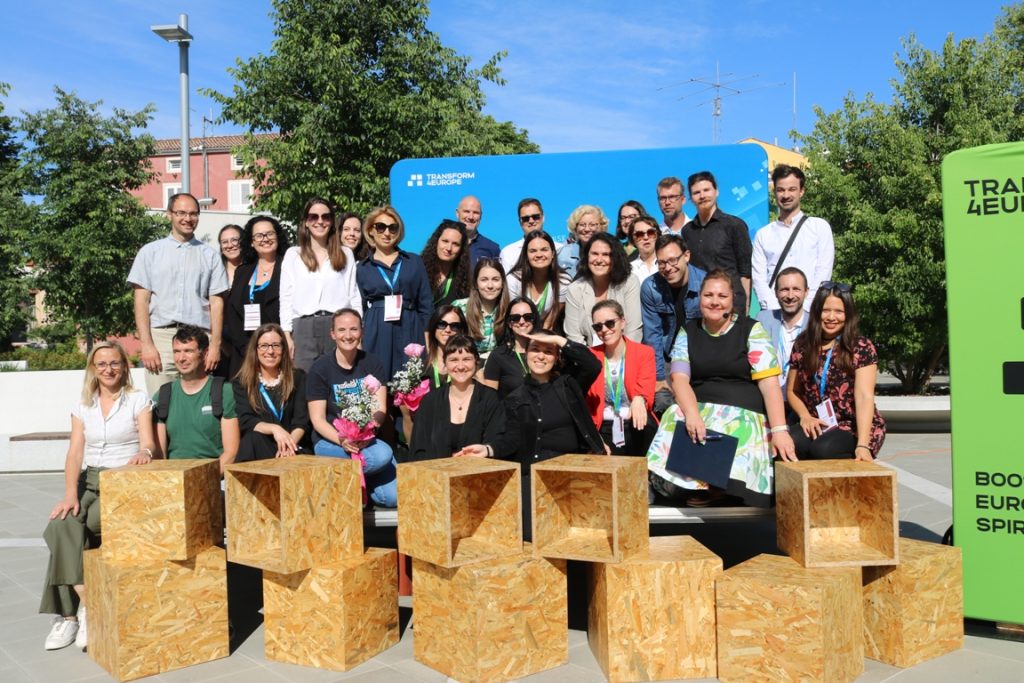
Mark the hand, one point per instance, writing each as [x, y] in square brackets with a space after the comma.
[213, 355]
[286, 446]
[607, 449]
[141, 458]
[545, 338]
[812, 426]
[638, 410]
[151, 358]
[291, 345]
[354, 446]
[69, 504]
[477, 450]
[783, 446]
[695, 428]
[862, 454]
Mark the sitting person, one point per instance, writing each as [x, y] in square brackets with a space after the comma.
[445, 323]
[461, 418]
[506, 366]
[270, 396]
[833, 372]
[111, 426]
[343, 371]
[784, 324]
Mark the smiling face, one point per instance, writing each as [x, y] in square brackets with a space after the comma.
[184, 216]
[188, 359]
[347, 332]
[788, 193]
[833, 317]
[599, 259]
[469, 213]
[586, 226]
[790, 290]
[319, 221]
[351, 232]
[230, 244]
[672, 264]
[449, 244]
[539, 253]
[541, 359]
[716, 301]
[704, 195]
[531, 218]
[605, 317]
[521, 319]
[489, 284]
[460, 365]
[447, 327]
[385, 232]
[109, 369]
[627, 214]
[264, 239]
[269, 348]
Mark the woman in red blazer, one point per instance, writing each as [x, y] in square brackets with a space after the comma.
[621, 398]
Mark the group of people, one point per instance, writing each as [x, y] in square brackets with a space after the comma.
[607, 344]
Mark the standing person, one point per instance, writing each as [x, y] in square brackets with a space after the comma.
[604, 274]
[396, 291]
[671, 200]
[351, 227]
[317, 278]
[230, 240]
[629, 211]
[717, 239]
[794, 240]
[785, 324]
[584, 221]
[506, 367]
[643, 235]
[345, 371]
[254, 298]
[485, 307]
[469, 212]
[833, 372]
[177, 281]
[446, 322]
[538, 277]
[111, 426]
[446, 261]
[531, 218]
[270, 395]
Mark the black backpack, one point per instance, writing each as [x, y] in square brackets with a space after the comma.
[163, 403]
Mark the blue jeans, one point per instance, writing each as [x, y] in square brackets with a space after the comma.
[381, 476]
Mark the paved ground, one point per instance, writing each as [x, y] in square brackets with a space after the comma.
[923, 468]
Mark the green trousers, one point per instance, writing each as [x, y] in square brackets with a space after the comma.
[67, 539]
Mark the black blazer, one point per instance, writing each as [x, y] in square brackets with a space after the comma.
[294, 415]
[236, 337]
[431, 432]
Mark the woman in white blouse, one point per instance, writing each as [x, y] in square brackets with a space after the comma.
[318, 277]
[111, 426]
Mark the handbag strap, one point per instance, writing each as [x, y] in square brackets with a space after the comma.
[785, 252]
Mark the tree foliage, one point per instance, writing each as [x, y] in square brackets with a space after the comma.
[352, 87]
[87, 228]
[13, 283]
[875, 174]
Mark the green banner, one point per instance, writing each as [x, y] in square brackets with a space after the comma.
[983, 207]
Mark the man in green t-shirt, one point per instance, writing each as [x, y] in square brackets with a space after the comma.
[190, 427]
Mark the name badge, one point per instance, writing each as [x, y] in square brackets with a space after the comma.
[393, 308]
[252, 317]
[618, 432]
[827, 414]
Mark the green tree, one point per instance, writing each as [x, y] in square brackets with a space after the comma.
[875, 174]
[87, 228]
[352, 87]
[13, 214]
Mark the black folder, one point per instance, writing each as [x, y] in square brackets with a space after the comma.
[710, 461]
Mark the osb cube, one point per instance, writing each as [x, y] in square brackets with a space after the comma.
[914, 612]
[778, 621]
[495, 620]
[290, 514]
[590, 507]
[153, 617]
[454, 511]
[837, 513]
[334, 616]
[652, 617]
[164, 510]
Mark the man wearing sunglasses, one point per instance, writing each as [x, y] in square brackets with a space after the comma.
[531, 217]
[470, 213]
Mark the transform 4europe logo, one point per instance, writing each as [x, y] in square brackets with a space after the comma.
[439, 179]
[991, 196]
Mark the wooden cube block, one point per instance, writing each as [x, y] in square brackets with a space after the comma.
[333, 616]
[778, 621]
[590, 507]
[837, 513]
[290, 514]
[914, 612]
[149, 618]
[491, 621]
[454, 511]
[165, 510]
[652, 617]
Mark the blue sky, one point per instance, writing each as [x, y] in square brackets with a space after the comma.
[581, 75]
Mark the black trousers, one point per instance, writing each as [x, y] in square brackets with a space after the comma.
[835, 444]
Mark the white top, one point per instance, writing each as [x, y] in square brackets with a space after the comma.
[580, 299]
[304, 292]
[813, 252]
[510, 254]
[112, 441]
[515, 289]
[642, 270]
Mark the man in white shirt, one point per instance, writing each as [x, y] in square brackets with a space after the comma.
[813, 250]
[786, 323]
[531, 217]
[670, 201]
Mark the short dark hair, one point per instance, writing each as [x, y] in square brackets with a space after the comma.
[461, 342]
[187, 333]
[526, 202]
[174, 197]
[791, 270]
[784, 171]
[666, 239]
[699, 176]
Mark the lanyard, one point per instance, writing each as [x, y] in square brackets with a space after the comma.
[618, 390]
[823, 376]
[252, 285]
[543, 298]
[437, 377]
[444, 293]
[519, 357]
[277, 412]
[393, 281]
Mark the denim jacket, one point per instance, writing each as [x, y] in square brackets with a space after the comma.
[659, 313]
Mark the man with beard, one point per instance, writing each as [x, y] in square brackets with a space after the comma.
[786, 323]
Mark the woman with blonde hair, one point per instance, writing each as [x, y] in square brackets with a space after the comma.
[584, 222]
[111, 426]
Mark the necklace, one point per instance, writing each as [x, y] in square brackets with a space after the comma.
[270, 383]
[460, 405]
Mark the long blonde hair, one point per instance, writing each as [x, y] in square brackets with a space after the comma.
[91, 385]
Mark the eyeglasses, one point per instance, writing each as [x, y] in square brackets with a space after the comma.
[264, 237]
[670, 197]
[623, 218]
[607, 324]
[669, 262]
[230, 242]
[445, 325]
[270, 346]
[588, 226]
[516, 318]
[644, 234]
[381, 228]
[531, 218]
[112, 365]
[840, 287]
[185, 214]
[319, 216]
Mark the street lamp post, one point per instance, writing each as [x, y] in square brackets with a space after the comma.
[179, 34]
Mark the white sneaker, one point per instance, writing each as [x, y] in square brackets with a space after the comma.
[62, 633]
[80, 637]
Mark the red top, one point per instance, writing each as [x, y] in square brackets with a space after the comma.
[639, 380]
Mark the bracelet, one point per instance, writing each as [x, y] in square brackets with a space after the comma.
[860, 445]
[148, 452]
[780, 428]
[490, 451]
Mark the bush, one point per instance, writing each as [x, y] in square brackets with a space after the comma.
[48, 359]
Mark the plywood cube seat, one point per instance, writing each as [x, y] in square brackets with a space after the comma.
[164, 510]
[491, 621]
[289, 514]
[334, 616]
[914, 612]
[454, 511]
[149, 618]
[590, 507]
[778, 621]
[837, 513]
[652, 617]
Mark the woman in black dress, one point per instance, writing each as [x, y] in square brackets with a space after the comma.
[506, 366]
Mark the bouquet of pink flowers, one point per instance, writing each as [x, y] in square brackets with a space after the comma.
[355, 419]
[408, 384]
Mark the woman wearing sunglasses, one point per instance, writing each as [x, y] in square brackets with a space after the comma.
[446, 259]
[446, 322]
[604, 274]
[644, 234]
[270, 398]
[831, 385]
[506, 366]
[318, 277]
[395, 289]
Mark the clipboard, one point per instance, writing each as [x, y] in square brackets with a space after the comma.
[710, 462]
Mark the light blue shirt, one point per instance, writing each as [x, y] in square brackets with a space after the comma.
[181, 277]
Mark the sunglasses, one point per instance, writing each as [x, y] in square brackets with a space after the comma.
[520, 317]
[840, 287]
[381, 228]
[319, 216]
[607, 324]
[531, 218]
[644, 234]
[445, 325]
